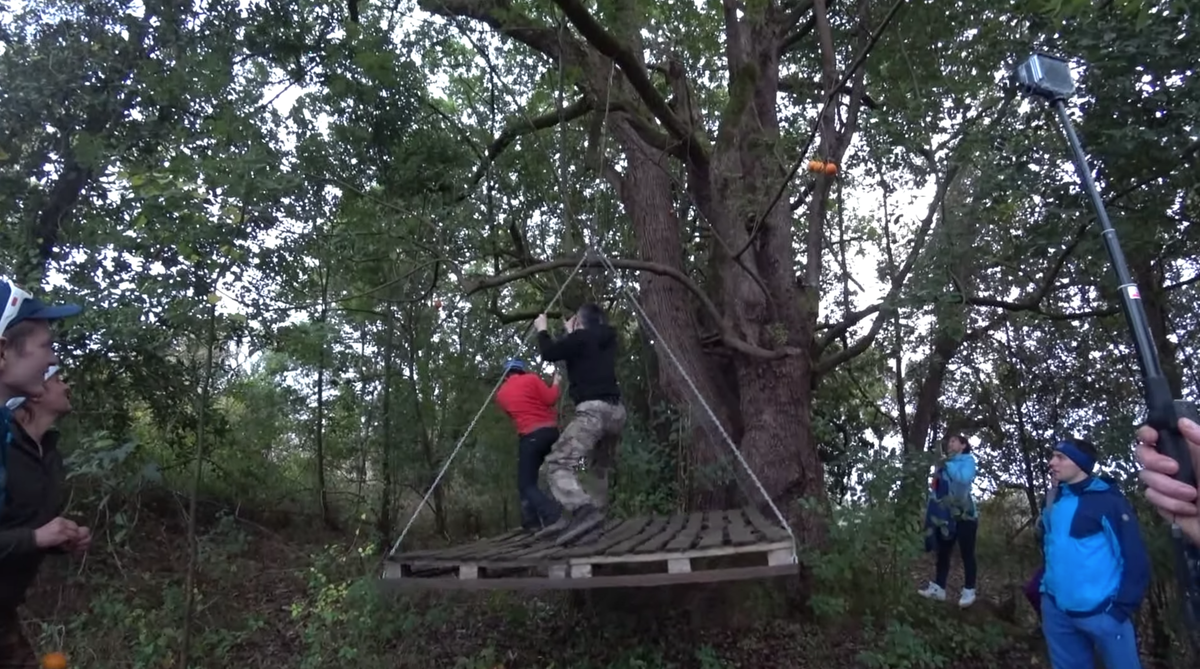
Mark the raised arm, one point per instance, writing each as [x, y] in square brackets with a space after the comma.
[555, 350]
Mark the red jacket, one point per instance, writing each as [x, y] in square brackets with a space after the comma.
[529, 402]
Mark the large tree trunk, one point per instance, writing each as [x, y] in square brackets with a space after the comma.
[745, 340]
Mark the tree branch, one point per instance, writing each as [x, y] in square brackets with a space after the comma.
[504, 19]
[795, 33]
[519, 128]
[476, 283]
[608, 45]
[794, 86]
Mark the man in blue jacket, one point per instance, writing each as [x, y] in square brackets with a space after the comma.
[1097, 567]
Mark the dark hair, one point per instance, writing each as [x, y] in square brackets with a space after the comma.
[963, 438]
[513, 370]
[592, 315]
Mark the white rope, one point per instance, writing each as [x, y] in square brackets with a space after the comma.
[462, 440]
[711, 414]
[595, 248]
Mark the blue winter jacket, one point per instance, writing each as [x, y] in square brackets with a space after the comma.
[1096, 561]
[950, 499]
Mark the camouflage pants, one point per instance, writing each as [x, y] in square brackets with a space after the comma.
[15, 650]
[596, 427]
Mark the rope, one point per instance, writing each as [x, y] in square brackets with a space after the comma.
[595, 248]
[707, 409]
[462, 440]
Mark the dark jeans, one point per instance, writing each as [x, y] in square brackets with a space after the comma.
[964, 537]
[537, 508]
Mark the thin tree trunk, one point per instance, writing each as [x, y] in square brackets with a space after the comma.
[322, 485]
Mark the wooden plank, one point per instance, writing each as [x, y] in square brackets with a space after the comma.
[719, 551]
[769, 529]
[656, 525]
[622, 532]
[679, 566]
[684, 539]
[464, 549]
[784, 556]
[581, 571]
[655, 544]
[546, 548]
[424, 552]
[625, 581]
[739, 533]
[714, 530]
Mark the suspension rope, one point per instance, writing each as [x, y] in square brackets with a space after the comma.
[594, 247]
[703, 403]
[462, 440]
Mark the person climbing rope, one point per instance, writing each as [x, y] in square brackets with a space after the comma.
[589, 350]
[952, 518]
[31, 525]
[1097, 567]
[530, 403]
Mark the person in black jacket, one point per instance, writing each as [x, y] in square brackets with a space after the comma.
[31, 523]
[589, 351]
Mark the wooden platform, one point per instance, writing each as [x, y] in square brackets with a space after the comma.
[664, 550]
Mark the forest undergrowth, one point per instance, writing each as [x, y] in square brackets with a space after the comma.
[276, 590]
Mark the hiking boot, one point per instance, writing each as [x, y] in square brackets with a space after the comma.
[967, 598]
[583, 520]
[933, 591]
[552, 529]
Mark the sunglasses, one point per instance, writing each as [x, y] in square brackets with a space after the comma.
[16, 298]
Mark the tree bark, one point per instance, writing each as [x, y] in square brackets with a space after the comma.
[751, 297]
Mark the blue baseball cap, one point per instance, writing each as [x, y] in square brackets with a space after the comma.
[18, 401]
[20, 306]
[513, 364]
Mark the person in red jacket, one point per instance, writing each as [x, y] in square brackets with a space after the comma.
[530, 403]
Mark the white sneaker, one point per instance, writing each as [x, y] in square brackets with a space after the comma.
[933, 591]
[967, 598]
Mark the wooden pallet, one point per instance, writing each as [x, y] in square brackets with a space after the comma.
[679, 548]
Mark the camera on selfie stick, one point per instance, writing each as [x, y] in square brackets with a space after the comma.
[1049, 77]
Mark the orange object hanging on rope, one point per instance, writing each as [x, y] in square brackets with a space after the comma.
[822, 166]
[55, 660]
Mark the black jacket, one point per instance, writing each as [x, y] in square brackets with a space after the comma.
[36, 495]
[591, 358]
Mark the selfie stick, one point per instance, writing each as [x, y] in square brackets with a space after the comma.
[1049, 78]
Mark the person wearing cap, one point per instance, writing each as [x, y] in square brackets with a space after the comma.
[530, 403]
[31, 524]
[26, 341]
[1097, 568]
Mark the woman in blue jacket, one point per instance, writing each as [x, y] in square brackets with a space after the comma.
[952, 518]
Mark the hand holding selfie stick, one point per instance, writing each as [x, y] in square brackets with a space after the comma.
[1049, 78]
